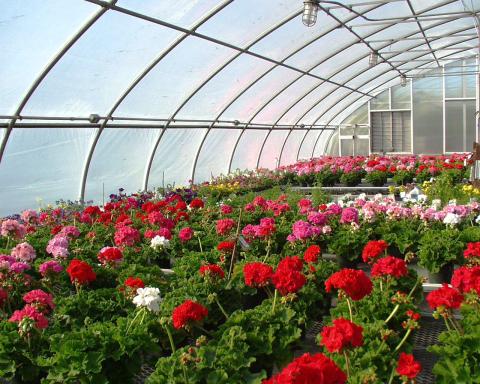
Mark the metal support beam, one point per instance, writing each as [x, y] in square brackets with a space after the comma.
[354, 101]
[345, 67]
[138, 79]
[351, 78]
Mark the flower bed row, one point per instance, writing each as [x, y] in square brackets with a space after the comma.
[347, 170]
[83, 298]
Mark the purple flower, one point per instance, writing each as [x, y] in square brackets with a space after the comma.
[19, 267]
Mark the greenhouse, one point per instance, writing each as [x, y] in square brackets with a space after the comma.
[240, 191]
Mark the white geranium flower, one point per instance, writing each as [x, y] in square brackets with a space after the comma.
[477, 220]
[451, 219]
[149, 298]
[159, 242]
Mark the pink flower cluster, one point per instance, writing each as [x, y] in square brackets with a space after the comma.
[29, 313]
[185, 234]
[265, 229]
[126, 236]
[24, 252]
[29, 216]
[58, 247]
[12, 228]
[165, 232]
[303, 230]
[50, 268]
[70, 231]
[277, 207]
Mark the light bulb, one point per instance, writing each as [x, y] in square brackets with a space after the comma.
[373, 59]
[310, 10]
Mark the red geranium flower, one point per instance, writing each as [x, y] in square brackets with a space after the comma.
[309, 369]
[226, 246]
[196, 204]
[80, 272]
[224, 226]
[373, 249]
[187, 313]
[355, 283]
[472, 251]
[312, 253]
[390, 266]
[3, 296]
[445, 297]
[343, 334]
[288, 280]
[110, 255]
[212, 270]
[467, 279]
[134, 283]
[291, 262]
[257, 274]
[408, 366]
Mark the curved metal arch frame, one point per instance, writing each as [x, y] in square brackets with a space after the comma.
[192, 94]
[55, 59]
[407, 71]
[105, 7]
[418, 67]
[138, 79]
[345, 67]
[236, 97]
[421, 55]
[290, 55]
[381, 85]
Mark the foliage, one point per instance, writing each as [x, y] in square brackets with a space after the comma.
[438, 248]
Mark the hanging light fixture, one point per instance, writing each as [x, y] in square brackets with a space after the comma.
[310, 10]
[373, 59]
[403, 80]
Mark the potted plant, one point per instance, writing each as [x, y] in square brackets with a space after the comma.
[438, 250]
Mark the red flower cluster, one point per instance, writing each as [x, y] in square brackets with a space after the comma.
[226, 209]
[266, 228]
[110, 255]
[408, 366]
[212, 270]
[467, 279]
[257, 274]
[390, 266]
[309, 369]
[343, 334]
[311, 254]
[80, 272]
[226, 246]
[126, 236]
[40, 300]
[196, 204]
[3, 296]
[288, 278]
[355, 283]
[224, 226]
[133, 283]
[30, 312]
[373, 249]
[472, 251]
[445, 297]
[188, 312]
[185, 234]
[413, 315]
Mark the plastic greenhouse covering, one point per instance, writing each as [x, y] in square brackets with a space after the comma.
[98, 95]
